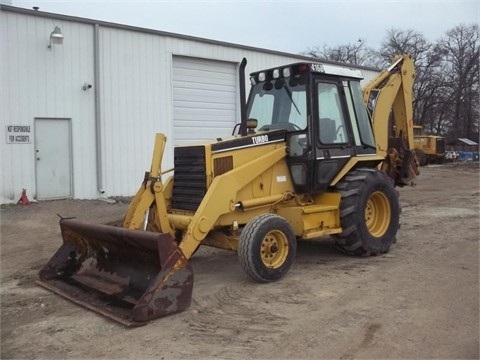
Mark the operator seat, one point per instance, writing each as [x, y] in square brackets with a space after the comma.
[327, 131]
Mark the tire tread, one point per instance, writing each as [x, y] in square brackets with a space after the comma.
[352, 240]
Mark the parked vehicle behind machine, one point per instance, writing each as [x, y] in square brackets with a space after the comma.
[308, 161]
[429, 148]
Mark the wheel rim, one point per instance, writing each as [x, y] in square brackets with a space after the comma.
[274, 249]
[377, 214]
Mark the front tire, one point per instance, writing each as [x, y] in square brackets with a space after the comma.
[369, 213]
[421, 157]
[267, 247]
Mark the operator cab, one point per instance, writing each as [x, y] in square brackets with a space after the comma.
[320, 108]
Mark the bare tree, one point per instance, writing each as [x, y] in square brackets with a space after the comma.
[428, 82]
[461, 49]
[405, 42]
[357, 53]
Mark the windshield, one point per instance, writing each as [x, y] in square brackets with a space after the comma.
[278, 104]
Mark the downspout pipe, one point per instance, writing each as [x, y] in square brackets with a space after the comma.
[98, 119]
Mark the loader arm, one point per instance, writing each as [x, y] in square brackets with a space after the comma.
[221, 197]
[390, 95]
[151, 191]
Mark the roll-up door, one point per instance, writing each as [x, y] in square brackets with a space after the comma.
[204, 99]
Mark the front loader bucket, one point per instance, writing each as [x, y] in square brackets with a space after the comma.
[130, 276]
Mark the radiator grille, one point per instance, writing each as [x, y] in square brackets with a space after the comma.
[189, 181]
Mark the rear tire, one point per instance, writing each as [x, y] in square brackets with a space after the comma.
[369, 213]
[267, 247]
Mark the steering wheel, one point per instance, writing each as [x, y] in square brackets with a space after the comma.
[338, 129]
[295, 126]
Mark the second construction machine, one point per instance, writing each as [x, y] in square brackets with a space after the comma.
[315, 155]
[428, 148]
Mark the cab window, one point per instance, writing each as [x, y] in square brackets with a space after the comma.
[331, 120]
[279, 104]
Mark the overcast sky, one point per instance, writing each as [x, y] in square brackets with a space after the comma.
[290, 26]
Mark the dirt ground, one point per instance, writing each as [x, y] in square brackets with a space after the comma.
[421, 300]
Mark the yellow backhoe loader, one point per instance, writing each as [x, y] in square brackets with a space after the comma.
[428, 148]
[314, 155]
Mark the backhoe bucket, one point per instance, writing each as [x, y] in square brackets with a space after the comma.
[130, 276]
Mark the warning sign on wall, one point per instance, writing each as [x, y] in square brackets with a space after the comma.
[18, 134]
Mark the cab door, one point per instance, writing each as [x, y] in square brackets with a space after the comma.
[331, 132]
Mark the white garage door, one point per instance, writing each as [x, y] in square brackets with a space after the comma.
[204, 99]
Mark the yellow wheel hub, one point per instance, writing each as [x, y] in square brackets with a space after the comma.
[377, 214]
[274, 249]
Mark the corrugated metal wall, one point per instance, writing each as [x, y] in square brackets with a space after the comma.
[40, 83]
[135, 96]
[134, 104]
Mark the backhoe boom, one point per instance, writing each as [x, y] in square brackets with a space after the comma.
[389, 100]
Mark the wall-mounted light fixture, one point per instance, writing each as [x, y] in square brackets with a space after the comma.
[56, 37]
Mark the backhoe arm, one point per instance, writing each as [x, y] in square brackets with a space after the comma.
[390, 96]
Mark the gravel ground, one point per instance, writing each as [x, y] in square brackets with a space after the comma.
[421, 300]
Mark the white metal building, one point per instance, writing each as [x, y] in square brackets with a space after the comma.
[78, 119]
